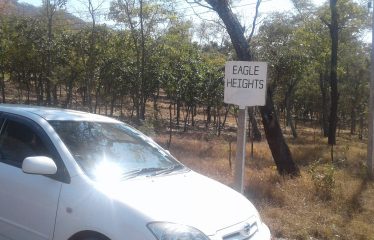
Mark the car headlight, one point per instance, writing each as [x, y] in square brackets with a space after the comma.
[173, 231]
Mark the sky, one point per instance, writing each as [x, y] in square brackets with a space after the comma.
[243, 8]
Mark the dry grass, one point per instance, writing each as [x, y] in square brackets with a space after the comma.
[328, 201]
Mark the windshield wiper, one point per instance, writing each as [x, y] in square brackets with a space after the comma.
[168, 169]
[152, 171]
[142, 171]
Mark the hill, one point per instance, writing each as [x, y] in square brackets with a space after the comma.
[15, 8]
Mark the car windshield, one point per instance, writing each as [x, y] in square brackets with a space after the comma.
[114, 150]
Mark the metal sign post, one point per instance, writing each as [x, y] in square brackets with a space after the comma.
[251, 132]
[245, 85]
[240, 149]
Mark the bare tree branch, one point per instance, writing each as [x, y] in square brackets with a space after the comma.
[276, 141]
[325, 22]
[198, 2]
[198, 15]
[254, 21]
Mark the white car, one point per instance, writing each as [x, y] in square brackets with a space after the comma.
[69, 175]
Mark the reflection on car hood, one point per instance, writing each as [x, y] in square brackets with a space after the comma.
[186, 198]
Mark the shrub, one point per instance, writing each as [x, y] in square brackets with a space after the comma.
[323, 180]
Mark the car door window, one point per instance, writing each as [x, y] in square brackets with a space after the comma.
[18, 141]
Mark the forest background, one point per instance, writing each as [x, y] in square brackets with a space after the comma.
[164, 74]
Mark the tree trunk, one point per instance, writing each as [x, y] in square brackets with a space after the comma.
[291, 123]
[278, 146]
[28, 90]
[288, 108]
[155, 105]
[324, 112]
[361, 130]
[3, 86]
[97, 101]
[353, 120]
[39, 90]
[54, 94]
[334, 31]
[121, 106]
[69, 90]
[208, 116]
[91, 61]
[227, 110]
[170, 127]
[178, 113]
[186, 119]
[143, 101]
[193, 114]
[50, 13]
[218, 126]
[112, 103]
[256, 134]
[143, 90]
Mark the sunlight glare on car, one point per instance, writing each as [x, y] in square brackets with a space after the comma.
[107, 173]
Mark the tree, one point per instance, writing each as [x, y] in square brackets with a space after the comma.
[278, 42]
[71, 63]
[278, 146]
[50, 8]
[334, 34]
[26, 40]
[178, 53]
[345, 16]
[315, 34]
[90, 77]
[143, 19]
[354, 78]
[4, 44]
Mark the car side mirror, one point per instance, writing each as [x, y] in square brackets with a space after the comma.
[39, 165]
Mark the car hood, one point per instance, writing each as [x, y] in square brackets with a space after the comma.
[185, 198]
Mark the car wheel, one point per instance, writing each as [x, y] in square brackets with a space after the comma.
[89, 235]
[93, 238]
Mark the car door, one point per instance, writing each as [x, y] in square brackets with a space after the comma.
[28, 203]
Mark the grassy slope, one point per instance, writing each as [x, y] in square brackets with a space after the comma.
[328, 201]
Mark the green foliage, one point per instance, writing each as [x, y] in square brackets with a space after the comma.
[297, 48]
[323, 177]
[130, 66]
[147, 127]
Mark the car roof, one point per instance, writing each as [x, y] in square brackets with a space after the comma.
[49, 113]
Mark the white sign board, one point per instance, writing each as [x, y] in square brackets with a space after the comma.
[245, 83]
